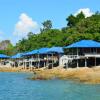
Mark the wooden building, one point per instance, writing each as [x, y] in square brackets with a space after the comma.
[43, 58]
[85, 53]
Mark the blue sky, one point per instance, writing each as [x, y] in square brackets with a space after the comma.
[17, 17]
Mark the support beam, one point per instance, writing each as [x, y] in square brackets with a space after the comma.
[77, 52]
[95, 58]
[44, 64]
[47, 61]
[77, 59]
[18, 61]
[95, 61]
[30, 65]
[85, 62]
[38, 61]
[67, 64]
[77, 64]
[14, 64]
[25, 65]
[52, 60]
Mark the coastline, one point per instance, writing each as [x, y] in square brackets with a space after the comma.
[10, 69]
[84, 75]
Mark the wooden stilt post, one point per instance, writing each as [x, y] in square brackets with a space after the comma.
[52, 60]
[47, 61]
[95, 58]
[31, 65]
[67, 64]
[95, 61]
[37, 64]
[14, 62]
[18, 62]
[77, 59]
[77, 64]
[44, 64]
[25, 65]
[38, 61]
[85, 62]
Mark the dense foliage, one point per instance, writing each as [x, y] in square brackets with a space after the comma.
[6, 47]
[77, 28]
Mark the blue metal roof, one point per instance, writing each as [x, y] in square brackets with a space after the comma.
[31, 52]
[39, 51]
[55, 49]
[18, 55]
[43, 50]
[84, 44]
[3, 56]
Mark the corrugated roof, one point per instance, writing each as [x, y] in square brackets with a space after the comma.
[3, 56]
[43, 50]
[18, 55]
[31, 52]
[84, 44]
[39, 51]
[56, 49]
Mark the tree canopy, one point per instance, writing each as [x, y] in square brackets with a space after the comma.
[47, 25]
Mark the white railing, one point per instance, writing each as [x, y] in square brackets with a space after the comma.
[73, 56]
[37, 59]
[92, 55]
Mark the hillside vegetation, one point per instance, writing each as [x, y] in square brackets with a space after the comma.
[77, 28]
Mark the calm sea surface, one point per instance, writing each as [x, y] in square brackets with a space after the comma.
[16, 86]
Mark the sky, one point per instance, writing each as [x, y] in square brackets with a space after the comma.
[18, 17]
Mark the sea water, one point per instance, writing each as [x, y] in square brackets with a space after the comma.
[16, 86]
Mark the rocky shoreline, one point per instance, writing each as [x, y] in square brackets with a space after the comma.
[84, 75]
[10, 69]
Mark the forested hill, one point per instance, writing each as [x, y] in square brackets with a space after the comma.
[6, 47]
[4, 44]
[77, 28]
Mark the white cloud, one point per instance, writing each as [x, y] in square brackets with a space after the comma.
[25, 25]
[87, 12]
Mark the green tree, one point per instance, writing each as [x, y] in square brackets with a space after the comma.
[10, 50]
[71, 21]
[47, 25]
[80, 16]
